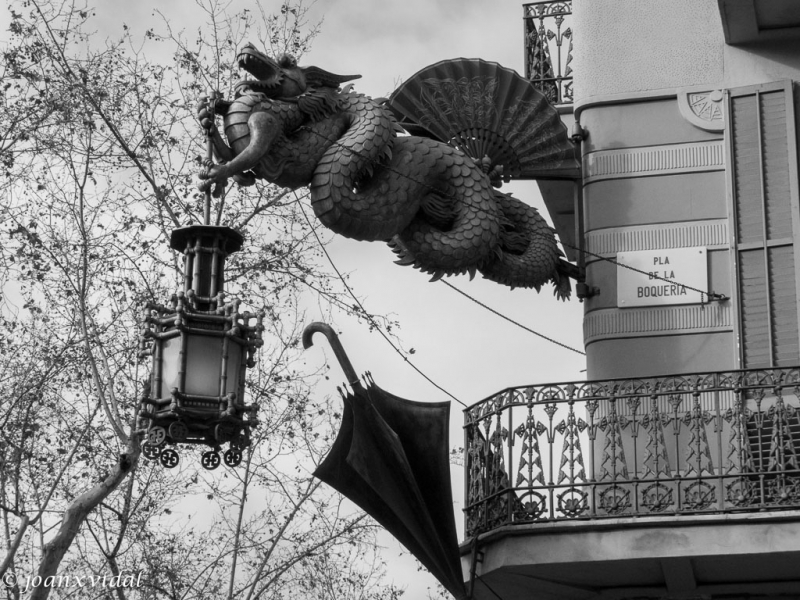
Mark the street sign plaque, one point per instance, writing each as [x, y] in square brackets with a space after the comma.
[662, 277]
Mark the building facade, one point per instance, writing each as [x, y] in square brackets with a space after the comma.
[673, 471]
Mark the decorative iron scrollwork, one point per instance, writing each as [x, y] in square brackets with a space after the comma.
[710, 443]
[548, 60]
[783, 490]
[531, 507]
[699, 495]
[740, 492]
[657, 498]
[615, 500]
[573, 502]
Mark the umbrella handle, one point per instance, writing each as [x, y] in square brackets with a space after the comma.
[338, 350]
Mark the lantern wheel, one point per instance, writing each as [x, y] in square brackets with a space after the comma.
[210, 460]
[232, 457]
[225, 432]
[169, 458]
[150, 451]
[178, 431]
[156, 436]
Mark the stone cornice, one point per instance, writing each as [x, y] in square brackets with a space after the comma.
[711, 234]
[615, 323]
[669, 159]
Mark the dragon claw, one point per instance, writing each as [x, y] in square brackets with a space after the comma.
[216, 187]
[211, 178]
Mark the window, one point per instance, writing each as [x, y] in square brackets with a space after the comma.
[766, 218]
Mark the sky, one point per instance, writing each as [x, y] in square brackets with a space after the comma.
[461, 346]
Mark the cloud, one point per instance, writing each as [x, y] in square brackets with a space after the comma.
[387, 42]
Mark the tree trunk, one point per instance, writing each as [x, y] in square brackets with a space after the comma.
[76, 514]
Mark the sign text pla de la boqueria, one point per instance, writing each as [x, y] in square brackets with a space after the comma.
[661, 277]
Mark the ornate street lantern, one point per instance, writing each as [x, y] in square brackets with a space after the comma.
[201, 346]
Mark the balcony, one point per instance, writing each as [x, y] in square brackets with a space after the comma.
[672, 485]
[548, 48]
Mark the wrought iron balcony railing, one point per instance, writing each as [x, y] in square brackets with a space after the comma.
[691, 444]
[548, 25]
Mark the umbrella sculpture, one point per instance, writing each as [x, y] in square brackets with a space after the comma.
[391, 458]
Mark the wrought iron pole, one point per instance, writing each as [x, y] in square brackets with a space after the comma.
[209, 157]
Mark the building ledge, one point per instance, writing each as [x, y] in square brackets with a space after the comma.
[754, 553]
[754, 21]
[628, 523]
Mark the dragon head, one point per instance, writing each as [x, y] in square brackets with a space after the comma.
[282, 78]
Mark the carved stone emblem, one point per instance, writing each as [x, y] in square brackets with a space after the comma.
[703, 108]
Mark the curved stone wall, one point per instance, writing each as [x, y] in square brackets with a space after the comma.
[625, 50]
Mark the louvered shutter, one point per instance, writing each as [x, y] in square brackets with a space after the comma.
[762, 147]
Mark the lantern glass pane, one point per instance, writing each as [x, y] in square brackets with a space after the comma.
[170, 366]
[203, 366]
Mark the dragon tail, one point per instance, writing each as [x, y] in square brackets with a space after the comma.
[561, 279]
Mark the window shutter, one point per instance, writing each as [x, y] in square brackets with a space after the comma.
[749, 225]
[753, 309]
[765, 212]
[783, 301]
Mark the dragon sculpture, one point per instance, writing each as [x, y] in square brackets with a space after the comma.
[436, 207]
